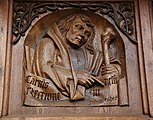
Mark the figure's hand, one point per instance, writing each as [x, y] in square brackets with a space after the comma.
[86, 79]
[110, 74]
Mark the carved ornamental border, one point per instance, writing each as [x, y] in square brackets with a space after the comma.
[120, 12]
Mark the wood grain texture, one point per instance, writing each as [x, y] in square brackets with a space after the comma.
[16, 87]
[136, 89]
[141, 62]
[147, 49]
[3, 40]
[78, 118]
[8, 20]
[72, 0]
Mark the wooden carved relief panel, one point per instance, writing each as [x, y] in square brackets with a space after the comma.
[74, 59]
[75, 55]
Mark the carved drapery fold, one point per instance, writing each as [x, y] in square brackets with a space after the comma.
[120, 13]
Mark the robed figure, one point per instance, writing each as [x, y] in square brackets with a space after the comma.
[67, 57]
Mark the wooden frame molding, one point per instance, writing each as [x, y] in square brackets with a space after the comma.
[124, 10]
[133, 21]
[6, 36]
[147, 50]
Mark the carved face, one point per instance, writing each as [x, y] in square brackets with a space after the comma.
[78, 33]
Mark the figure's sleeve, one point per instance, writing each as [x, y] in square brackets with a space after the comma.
[28, 58]
[116, 62]
[45, 63]
[43, 55]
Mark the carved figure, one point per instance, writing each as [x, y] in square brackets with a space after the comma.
[67, 57]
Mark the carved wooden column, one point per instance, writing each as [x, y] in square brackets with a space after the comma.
[147, 48]
[5, 53]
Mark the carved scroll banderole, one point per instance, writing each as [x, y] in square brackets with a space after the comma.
[107, 37]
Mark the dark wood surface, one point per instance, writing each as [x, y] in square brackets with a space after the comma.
[139, 69]
[4, 26]
[147, 49]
